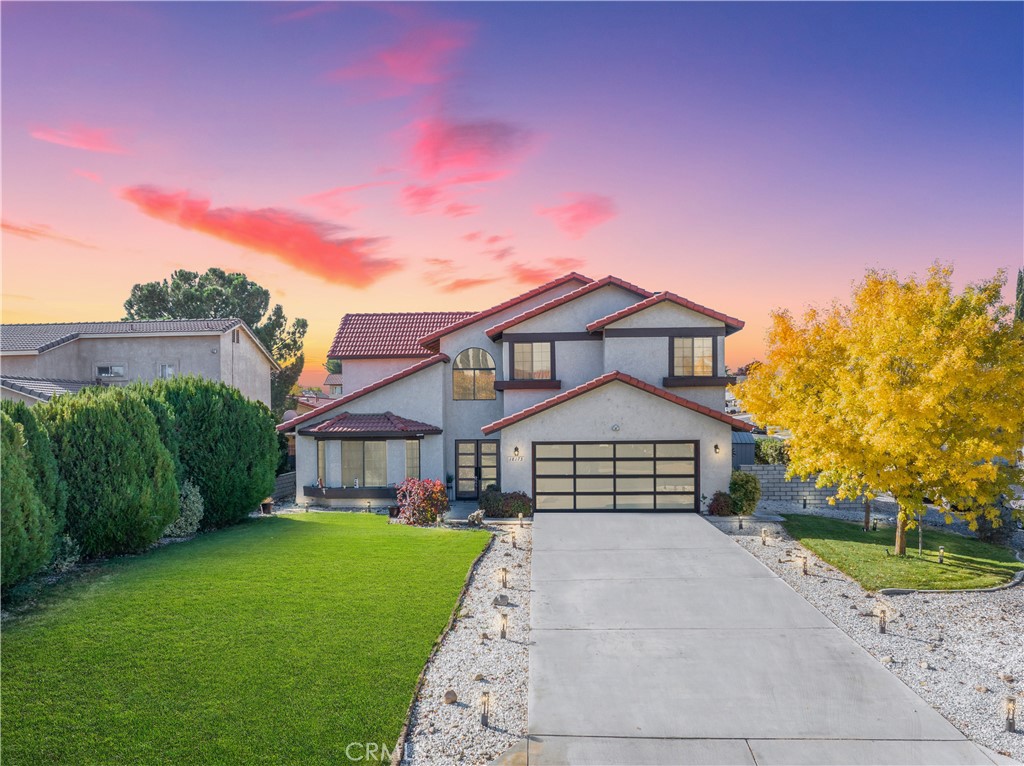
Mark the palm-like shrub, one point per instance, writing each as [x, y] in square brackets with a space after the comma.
[26, 526]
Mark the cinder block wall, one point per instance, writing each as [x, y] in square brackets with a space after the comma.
[775, 487]
[284, 486]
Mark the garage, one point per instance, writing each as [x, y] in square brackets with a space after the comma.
[616, 476]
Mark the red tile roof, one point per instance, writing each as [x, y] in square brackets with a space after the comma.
[494, 332]
[384, 424]
[611, 377]
[435, 336]
[333, 379]
[736, 324]
[387, 336]
[288, 425]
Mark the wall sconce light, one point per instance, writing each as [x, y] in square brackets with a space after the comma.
[717, 449]
[515, 452]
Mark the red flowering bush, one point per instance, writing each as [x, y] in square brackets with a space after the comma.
[421, 501]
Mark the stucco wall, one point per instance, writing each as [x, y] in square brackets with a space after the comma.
[359, 373]
[666, 314]
[640, 416]
[244, 366]
[576, 315]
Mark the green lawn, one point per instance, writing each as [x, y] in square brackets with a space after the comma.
[278, 641]
[968, 563]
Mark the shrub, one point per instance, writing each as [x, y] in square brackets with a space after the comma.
[120, 477]
[490, 500]
[165, 423]
[771, 451]
[49, 485]
[190, 512]
[745, 489]
[514, 503]
[421, 501]
[68, 553]
[721, 504]
[229, 446]
[27, 525]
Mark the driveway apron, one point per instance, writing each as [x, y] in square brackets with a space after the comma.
[658, 640]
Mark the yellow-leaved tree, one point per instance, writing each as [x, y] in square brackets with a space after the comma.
[914, 389]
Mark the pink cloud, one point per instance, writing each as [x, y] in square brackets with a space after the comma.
[537, 274]
[80, 137]
[307, 244]
[581, 213]
[466, 283]
[501, 253]
[316, 9]
[422, 56]
[419, 198]
[476, 150]
[460, 209]
[473, 236]
[335, 201]
[88, 175]
[37, 232]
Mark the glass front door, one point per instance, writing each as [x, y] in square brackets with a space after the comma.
[476, 466]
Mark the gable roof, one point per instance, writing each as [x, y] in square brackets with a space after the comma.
[432, 339]
[388, 335]
[494, 332]
[39, 338]
[730, 322]
[603, 380]
[43, 388]
[380, 425]
[333, 379]
[288, 425]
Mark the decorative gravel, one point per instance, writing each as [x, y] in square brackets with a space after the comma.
[963, 653]
[442, 733]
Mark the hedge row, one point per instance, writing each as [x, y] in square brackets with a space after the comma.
[115, 468]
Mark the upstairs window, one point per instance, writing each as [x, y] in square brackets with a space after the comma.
[533, 361]
[110, 371]
[693, 357]
[167, 370]
[473, 375]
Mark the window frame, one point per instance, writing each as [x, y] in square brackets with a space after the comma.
[111, 366]
[348, 444]
[673, 372]
[160, 372]
[419, 459]
[475, 370]
[512, 360]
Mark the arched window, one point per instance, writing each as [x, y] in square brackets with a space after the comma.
[473, 375]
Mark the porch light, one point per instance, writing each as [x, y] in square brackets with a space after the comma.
[717, 449]
[485, 708]
[504, 624]
[515, 452]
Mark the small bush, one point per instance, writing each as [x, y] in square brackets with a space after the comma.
[721, 504]
[421, 502]
[165, 424]
[490, 500]
[68, 554]
[229, 446]
[190, 513]
[27, 539]
[745, 489]
[121, 488]
[514, 503]
[771, 451]
[42, 464]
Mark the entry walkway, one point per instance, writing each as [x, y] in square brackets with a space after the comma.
[658, 640]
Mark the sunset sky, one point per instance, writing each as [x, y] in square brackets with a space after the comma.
[402, 157]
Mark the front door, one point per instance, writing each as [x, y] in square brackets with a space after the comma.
[476, 467]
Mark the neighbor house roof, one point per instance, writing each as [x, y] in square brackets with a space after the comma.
[382, 425]
[390, 335]
[612, 377]
[435, 336]
[43, 388]
[731, 322]
[38, 338]
[288, 425]
[333, 379]
[494, 332]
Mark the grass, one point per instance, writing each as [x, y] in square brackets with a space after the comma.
[968, 563]
[278, 641]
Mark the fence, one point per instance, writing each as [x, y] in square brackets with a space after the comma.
[775, 487]
[284, 486]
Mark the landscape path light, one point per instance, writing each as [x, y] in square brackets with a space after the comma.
[1011, 714]
[881, 621]
[764, 536]
[942, 552]
[504, 624]
[485, 708]
[504, 577]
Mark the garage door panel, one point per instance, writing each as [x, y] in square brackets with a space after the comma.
[593, 476]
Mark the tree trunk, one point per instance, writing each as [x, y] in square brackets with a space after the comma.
[867, 515]
[901, 533]
[920, 536]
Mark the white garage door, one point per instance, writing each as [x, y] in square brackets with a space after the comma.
[615, 476]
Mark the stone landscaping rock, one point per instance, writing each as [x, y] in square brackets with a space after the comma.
[500, 600]
[982, 689]
[450, 697]
[478, 677]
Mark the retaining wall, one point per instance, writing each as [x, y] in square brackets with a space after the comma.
[284, 486]
[775, 487]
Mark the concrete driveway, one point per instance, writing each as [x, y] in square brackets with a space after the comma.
[658, 640]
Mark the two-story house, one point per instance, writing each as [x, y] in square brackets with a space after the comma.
[586, 395]
[38, 361]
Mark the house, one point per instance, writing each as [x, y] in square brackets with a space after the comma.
[38, 361]
[333, 384]
[585, 394]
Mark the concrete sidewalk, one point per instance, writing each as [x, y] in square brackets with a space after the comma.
[657, 640]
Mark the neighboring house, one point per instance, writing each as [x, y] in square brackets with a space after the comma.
[309, 402]
[732, 404]
[587, 395]
[38, 361]
[333, 384]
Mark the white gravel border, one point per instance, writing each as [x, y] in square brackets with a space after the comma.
[441, 733]
[963, 653]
